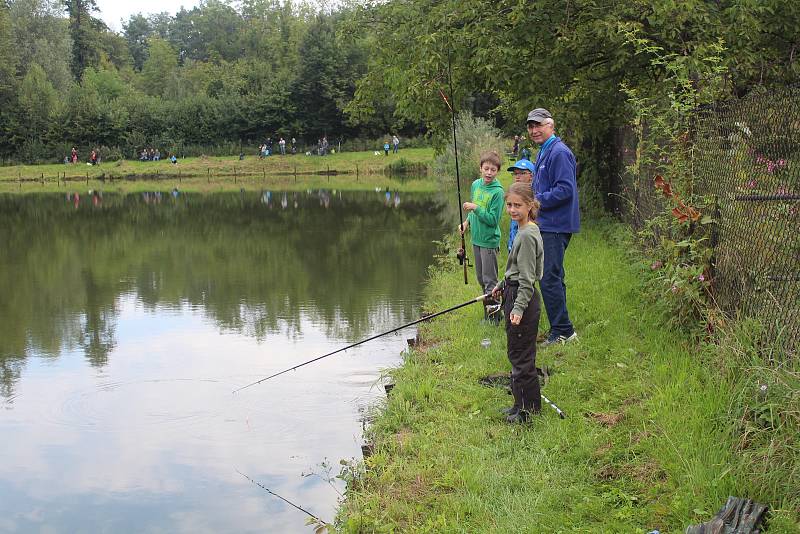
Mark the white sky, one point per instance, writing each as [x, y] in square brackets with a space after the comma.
[111, 11]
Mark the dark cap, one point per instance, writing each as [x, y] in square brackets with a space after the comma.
[539, 115]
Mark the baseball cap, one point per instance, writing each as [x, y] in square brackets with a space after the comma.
[523, 165]
[538, 115]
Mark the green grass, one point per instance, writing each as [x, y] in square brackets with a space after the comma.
[349, 170]
[652, 438]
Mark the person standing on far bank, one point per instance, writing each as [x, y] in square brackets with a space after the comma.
[556, 189]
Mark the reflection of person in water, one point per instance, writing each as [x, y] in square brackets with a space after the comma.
[387, 199]
[396, 199]
[284, 201]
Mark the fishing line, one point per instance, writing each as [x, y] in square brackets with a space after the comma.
[287, 501]
[424, 318]
[462, 254]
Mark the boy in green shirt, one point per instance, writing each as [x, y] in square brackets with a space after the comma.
[483, 221]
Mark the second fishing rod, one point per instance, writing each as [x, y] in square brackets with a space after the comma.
[462, 252]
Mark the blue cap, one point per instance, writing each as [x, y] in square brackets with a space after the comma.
[523, 165]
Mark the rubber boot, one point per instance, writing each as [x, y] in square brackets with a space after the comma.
[530, 402]
[514, 410]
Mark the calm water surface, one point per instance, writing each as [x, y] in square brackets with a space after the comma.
[127, 321]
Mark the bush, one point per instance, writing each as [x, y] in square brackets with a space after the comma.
[474, 136]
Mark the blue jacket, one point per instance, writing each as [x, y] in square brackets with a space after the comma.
[556, 189]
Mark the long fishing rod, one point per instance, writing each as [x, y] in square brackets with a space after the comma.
[412, 323]
[462, 253]
[287, 501]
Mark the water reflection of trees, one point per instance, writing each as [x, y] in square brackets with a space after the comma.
[251, 265]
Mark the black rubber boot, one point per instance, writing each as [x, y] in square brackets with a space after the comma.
[520, 417]
[513, 410]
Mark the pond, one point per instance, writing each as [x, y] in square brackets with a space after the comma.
[126, 322]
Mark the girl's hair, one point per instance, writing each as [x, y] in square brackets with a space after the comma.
[492, 157]
[525, 192]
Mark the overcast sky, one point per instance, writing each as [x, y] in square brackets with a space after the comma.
[111, 11]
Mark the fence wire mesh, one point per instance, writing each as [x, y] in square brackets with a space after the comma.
[745, 162]
[747, 157]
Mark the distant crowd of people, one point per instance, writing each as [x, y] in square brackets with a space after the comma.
[94, 157]
[265, 148]
[154, 154]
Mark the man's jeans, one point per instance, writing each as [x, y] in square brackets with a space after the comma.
[554, 290]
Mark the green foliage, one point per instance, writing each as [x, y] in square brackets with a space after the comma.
[474, 135]
[42, 37]
[83, 29]
[216, 76]
[38, 102]
[158, 70]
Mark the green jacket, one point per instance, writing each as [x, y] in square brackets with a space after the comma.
[484, 222]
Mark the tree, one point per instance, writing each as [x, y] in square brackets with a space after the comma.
[37, 102]
[136, 32]
[159, 70]
[8, 67]
[41, 36]
[326, 78]
[84, 31]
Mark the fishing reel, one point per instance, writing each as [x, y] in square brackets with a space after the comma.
[461, 254]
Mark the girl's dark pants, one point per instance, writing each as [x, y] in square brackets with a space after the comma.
[522, 349]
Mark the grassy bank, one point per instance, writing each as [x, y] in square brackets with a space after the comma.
[656, 434]
[347, 170]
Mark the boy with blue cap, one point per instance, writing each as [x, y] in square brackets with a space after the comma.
[522, 171]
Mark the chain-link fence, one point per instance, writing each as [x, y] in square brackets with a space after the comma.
[747, 157]
[745, 164]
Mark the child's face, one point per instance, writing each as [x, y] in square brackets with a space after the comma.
[522, 176]
[488, 171]
[517, 208]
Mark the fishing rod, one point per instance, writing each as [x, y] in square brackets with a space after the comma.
[462, 253]
[561, 414]
[287, 501]
[412, 323]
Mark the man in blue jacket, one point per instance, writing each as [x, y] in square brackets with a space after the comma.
[556, 189]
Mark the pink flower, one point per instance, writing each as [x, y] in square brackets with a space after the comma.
[751, 184]
[701, 277]
[770, 167]
[656, 265]
[781, 163]
[760, 159]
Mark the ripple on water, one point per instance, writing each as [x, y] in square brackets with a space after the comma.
[142, 404]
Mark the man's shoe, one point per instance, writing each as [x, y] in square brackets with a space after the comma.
[559, 340]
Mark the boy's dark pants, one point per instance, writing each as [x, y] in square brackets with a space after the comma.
[522, 350]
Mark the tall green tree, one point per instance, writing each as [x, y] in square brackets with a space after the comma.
[38, 102]
[84, 31]
[8, 68]
[136, 32]
[159, 70]
[41, 36]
